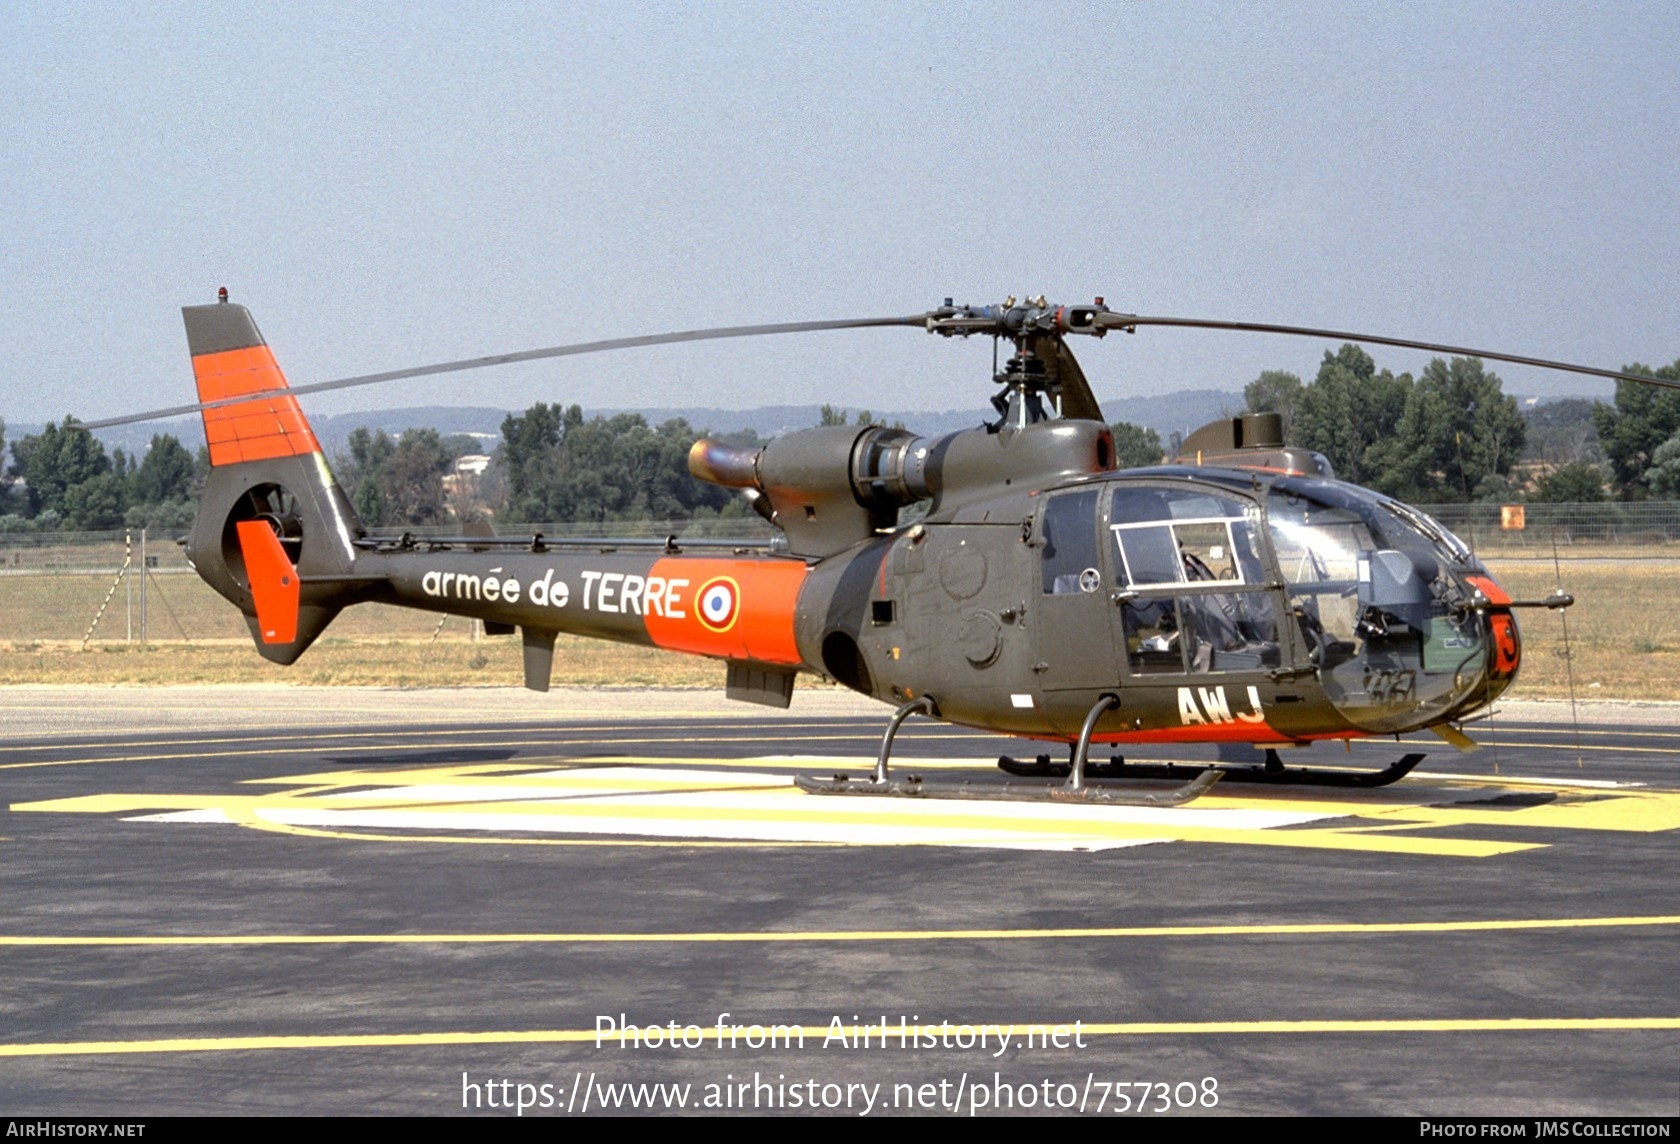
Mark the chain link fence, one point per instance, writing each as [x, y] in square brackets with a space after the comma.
[137, 585]
[102, 586]
[1619, 529]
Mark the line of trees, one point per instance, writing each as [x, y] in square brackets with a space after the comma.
[557, 466]
[62, 477]
[1450, 434]
[402, 480]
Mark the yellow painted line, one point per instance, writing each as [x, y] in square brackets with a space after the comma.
[753, 734]
[572, 771]
[563, 747]
[1292, 929]
[562, 733]
[498, 840]
[817, 1033]
[558, 733]
[1466, 781]
[1489, 745]
[1645, 813]
[1496, 728]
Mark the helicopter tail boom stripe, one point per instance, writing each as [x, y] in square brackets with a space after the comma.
[735, 609]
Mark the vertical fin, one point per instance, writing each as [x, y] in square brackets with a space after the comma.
[230, 359]
[266, 470]
[539, 656]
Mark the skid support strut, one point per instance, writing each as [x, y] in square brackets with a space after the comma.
[1076, 775]
[924, 704]
[878, 782]
[1074, 790]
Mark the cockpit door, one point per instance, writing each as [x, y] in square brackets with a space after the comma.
[1071, 603]
[1193, 593]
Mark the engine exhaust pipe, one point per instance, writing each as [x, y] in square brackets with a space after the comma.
[728, 465]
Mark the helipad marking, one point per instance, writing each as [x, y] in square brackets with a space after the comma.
[640, 722]
[818, 1032]
[664, 802]
[1282, 929]
[656, 800]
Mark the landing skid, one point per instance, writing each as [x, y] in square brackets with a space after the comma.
[1272, 771]
[914, 787]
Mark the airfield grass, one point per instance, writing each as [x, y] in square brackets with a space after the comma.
[1624, 639]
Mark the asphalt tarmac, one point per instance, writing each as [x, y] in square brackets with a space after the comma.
[293, 900]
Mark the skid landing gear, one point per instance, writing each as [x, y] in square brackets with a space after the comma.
[1271, 771]
[1074, 790]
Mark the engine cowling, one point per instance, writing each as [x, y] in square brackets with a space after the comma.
[832, 487]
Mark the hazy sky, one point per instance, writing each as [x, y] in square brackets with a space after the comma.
[395, 185]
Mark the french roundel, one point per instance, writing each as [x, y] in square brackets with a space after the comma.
[718, 603]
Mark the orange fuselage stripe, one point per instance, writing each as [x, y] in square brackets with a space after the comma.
[1200, 733]
[758, 626]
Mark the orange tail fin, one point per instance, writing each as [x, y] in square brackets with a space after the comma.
[230, 359]
[274, 582]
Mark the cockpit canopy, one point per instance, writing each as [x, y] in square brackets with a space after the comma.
[1215, 576]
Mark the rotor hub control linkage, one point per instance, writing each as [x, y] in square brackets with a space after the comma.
[1032, 317]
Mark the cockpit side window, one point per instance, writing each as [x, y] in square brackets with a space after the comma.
[1070, 543]
[1173, 536]
[1196, 598]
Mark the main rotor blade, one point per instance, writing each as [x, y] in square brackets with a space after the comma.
[1111, 320]
[570, 350]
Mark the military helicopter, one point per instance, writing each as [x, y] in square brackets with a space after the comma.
[1239, 595]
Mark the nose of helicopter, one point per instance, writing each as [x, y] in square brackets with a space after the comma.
[1406, 628]
[1500, 633]
[1394, 676]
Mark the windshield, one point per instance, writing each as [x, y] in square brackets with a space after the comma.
[1374, 586]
